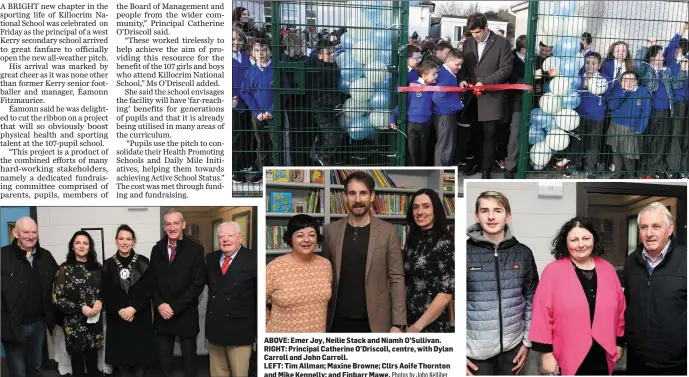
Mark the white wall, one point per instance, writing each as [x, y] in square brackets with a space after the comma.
[56, 225]
[419, 21]
[535, 221]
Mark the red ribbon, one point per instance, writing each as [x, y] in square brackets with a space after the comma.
[477, 89]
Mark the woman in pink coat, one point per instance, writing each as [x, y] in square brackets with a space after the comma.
[578, 310]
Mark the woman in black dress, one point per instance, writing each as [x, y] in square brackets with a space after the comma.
[429, 264]
[77, 294]
[127, 290]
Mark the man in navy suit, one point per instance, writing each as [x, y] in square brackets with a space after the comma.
[231, 316]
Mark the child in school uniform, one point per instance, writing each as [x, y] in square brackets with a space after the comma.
[241, 129]
[414, 58]
[591, 110]
[676, 55]
[419, 113]
[659, 80]
[257, 92]
[323, 82]
[445, 108]
[630, 105]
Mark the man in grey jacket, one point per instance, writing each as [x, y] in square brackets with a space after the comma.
[501, 283]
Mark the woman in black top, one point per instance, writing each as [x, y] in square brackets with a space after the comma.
[429, 265]
[127, 290]
[77, 294]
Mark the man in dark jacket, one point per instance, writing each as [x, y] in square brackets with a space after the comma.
[655, 288]
[488, 58]
[28, 272]
[231, 313]
[501, 283]
[514, 106]
[324, 96]
[177, 263]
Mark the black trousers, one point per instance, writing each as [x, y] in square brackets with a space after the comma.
[301, 131]
[655, 142]
[588, 146]
[241, 140]
[418, 141]
[498, 365]
[265, 141]
[125, 371]
[166, 346]
[487, 148]
[350, 325]
[637, 367]
[85, 363]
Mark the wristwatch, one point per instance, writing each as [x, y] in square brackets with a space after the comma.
[401, 327]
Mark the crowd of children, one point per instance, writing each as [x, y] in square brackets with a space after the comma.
[641, 119]
[637, 128]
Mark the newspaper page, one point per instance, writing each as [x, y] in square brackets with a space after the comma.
[126, 104]
[110, 100]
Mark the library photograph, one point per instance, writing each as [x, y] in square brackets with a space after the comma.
[129, 290]
[360, 251]
[590, 277]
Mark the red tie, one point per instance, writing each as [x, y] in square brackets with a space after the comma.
[173, 248]
[225, 265]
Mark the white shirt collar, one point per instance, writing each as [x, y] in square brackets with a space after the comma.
[421, 81]
[237, 56]
[448, 69]
[660, 256]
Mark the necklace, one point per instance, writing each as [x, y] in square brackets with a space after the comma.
[125, 273]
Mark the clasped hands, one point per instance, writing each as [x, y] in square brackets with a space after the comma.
[265, 116]
[127, 313]
[165, 311]
[92, 311]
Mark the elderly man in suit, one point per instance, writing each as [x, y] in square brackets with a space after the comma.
[368, 285]
[180, 277]
[231, 313]
[488, 60]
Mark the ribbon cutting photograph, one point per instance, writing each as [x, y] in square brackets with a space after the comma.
[129, 291]
[505, 89]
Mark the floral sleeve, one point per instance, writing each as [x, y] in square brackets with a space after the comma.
[60, 293]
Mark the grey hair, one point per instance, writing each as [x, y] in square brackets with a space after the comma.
[657, 207]
[174, 210]
[234, 224]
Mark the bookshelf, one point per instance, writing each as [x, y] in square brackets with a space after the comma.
[392, 208]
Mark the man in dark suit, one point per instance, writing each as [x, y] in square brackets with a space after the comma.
[180, 277]
[488, 60]
[28, 272]
[231, 313]
[368, 285]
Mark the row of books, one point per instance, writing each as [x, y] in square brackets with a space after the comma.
[449, 182]
[449, 204]
[383, 203]
[284, 202]
[380, 176]
[275, 234]
[295, 175]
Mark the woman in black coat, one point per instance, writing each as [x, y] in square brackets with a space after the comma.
[127, 288]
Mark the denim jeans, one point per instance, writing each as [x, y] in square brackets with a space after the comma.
[25, 355]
